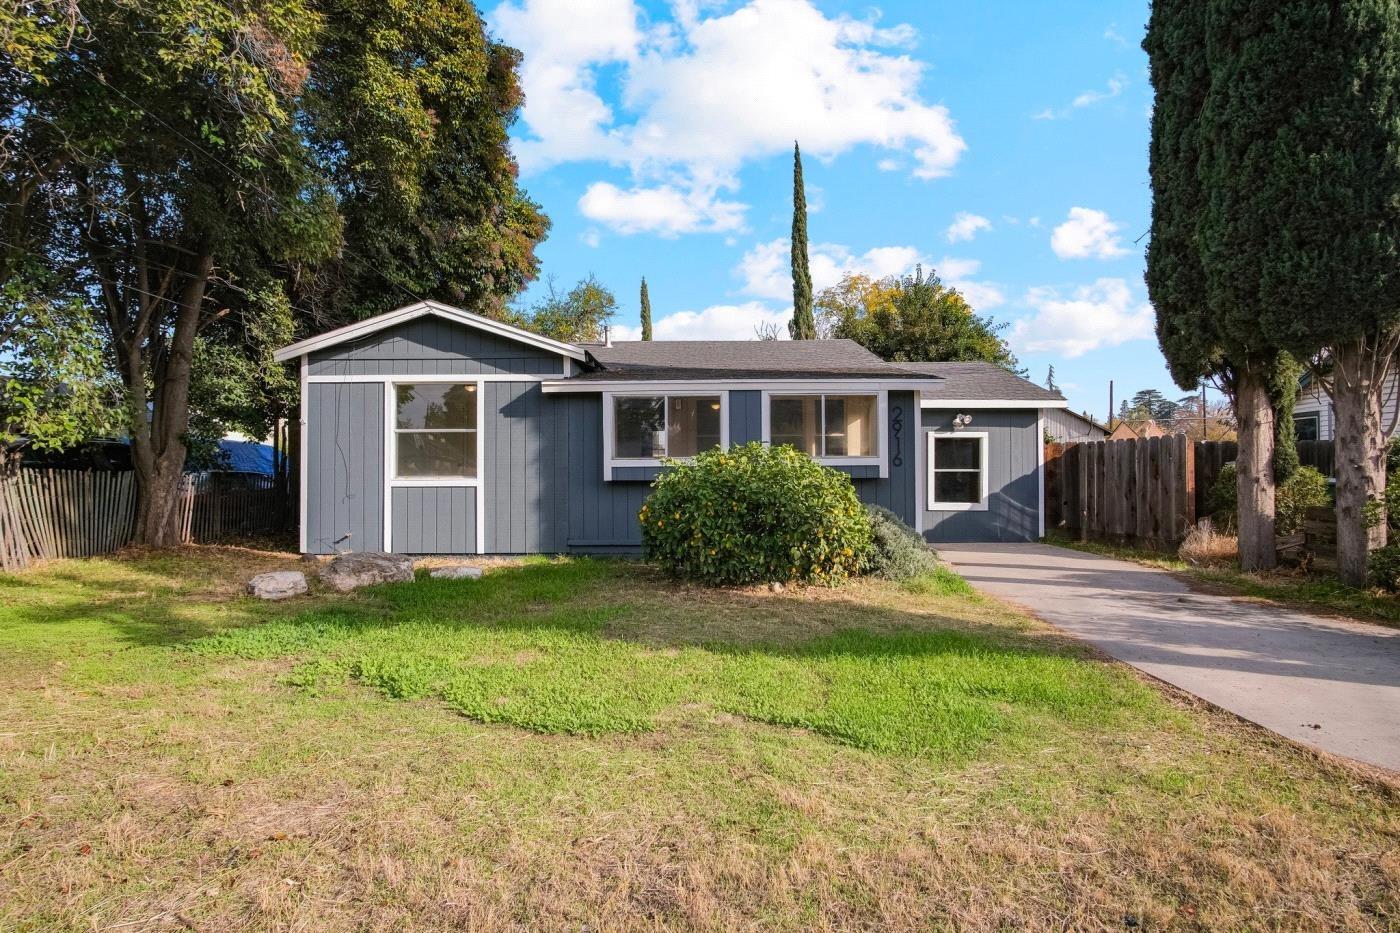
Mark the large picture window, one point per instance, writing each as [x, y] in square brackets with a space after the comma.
[435, 430]
[957, 471]
[655, 426]
[825, 426]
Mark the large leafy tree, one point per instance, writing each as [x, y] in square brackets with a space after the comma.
[206, 179]
[912, 319]
[803, 325]
[1202, 277]
[576, 316]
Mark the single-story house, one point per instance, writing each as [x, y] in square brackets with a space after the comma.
[1132, 432]
[432, 430]
[1314, 418]
[1070, 427]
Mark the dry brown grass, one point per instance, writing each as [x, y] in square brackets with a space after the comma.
[1204, 546]
[141, 789]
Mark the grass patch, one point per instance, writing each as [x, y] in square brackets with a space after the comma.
[577, 743]
[1316, 591]
[552, 648]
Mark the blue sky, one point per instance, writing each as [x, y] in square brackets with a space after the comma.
[1004, 144]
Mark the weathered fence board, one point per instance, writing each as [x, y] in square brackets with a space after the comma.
[52, 514]
[1136, 492]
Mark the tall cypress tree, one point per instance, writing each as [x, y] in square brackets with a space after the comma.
[646, 311]
[1308, 98]
[803, 325]
[1202, 275]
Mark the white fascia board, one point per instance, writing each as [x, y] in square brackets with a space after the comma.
[408, 313]
[829, 386]
[992, 403]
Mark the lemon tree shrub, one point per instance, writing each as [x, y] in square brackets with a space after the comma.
[755, 514]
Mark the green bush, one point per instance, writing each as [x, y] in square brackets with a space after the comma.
[1221, 499]
[755, 514]
[1384, 567]
[1305, 489]
[900, 552]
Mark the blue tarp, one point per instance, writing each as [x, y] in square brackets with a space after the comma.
[247, 456]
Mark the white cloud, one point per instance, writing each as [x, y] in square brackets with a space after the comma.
[766, 269]
[664, 210]
[1104, 314]
[887, 165]
[966, 225]
[1115, 86]
[718, 322]
[1087, 234]
[591, 239]
[1113, 35]
[702, 95]
[959, 273]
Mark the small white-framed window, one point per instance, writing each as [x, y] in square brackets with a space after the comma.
[957, 472]
[839, 428]
[642, 430]
[435, 430]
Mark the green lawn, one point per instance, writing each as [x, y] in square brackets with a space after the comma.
[1317, 590]
[578, 743]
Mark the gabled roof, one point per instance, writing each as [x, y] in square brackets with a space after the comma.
[420, 309]
[737, 359]
[977, 381]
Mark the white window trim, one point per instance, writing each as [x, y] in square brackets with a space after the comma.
[391, 454]
[882, 417]
[931, 465]
[610, 459]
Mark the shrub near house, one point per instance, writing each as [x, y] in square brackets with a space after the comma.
[755, 514]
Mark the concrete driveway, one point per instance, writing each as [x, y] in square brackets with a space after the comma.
[1325, 682]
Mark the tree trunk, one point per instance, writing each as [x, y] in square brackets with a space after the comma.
[1357, 383]
[158, 448]
[1254, 468]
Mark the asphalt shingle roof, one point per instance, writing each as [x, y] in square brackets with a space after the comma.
[981, 381]
[740, 359]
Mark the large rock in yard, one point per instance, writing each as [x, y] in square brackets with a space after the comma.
[279, 584]
[461, 572]
[351, 571]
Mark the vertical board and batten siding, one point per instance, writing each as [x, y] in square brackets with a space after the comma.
[602, 514]
[433, 346]
[898, 491]
[433, 519]
[526, 459]
[1013, 460]
[745, 416]
[344, 467]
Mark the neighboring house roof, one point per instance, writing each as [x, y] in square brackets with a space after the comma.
[979, 381]
[421, 309]
[1127, 432]
[737, 359]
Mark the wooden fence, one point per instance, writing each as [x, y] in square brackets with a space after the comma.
[1140, 492]
[50, 514]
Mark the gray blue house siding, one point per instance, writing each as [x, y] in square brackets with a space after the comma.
[1013, 477]
[345, 467]
[433, 346]
[542, 483]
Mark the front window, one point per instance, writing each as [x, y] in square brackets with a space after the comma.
[435, 431]
[957, 471]
[656, 426]
[1306, 426]
[825, 425]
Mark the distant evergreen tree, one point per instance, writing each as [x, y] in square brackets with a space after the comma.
[1050, 379]
[646, 311]
[804, 324]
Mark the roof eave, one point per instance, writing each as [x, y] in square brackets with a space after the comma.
[421, 309]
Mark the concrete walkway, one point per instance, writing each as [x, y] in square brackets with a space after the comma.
[1329, 683]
